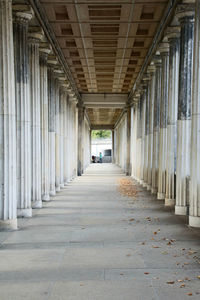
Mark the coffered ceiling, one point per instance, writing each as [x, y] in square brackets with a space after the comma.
[104, 42]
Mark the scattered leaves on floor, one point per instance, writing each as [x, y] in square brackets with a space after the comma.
[127, 188]
[170, 282]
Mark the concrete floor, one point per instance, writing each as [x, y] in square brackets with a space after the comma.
[85, 245]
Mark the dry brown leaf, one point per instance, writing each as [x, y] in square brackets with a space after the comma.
[186, 263]
[180, 280]
[170, 282]
[198, 277]
[155, 232]
[146, 273]
[131, 220]
[189, 294]
[155, 247]
[182, 285]
[169, 243]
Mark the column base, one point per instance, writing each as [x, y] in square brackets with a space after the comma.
[154, 191]
[8, 225]
[52, 193]
[46, 198]
[181, 210]
[24, 212]
[37, 204]
[169, 202]
[194, 221]
[148, 187]
[62, 185]
[141, 181]
[66, 183]
[160, 196]
[144, 184]
[57, 188]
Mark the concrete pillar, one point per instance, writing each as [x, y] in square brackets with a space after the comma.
[66, 154]
[164, 50]
[194, 211]
[8, 201]
[51, 127]
[173, 34]
[61, 119]
[185, 14]
[44, 51]
[80, 139]
[22, 16]
[35, 35]
[156, 124]
[151, 71]
[143, 113]
[146, 139]
[57, 135]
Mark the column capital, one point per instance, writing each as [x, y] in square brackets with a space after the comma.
[22, 13]
[52, 60]
[35, 34]
[163, 48]
[173, 32]
[157, 60]
[45, 49]
[151, 69]
[186, 10]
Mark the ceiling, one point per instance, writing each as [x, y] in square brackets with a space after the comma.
[104, 44]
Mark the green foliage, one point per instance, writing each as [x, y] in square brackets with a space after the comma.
[101, 134]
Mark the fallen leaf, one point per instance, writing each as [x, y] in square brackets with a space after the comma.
[189, 294]
[143, 243]
[170, 282]
[198, 277]
[191, 252]
[188, 279]
[186, 263]
[146, 273]
[155, 232]
[169, 243]
[131, 220]
[180, 280]
[155, 247]
[182, 285]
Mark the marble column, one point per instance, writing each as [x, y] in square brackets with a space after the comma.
[151, 71]
[44, 51]
[143, 113]
[156, 124]
[57, 135]
[164, 50]
[194, 211]
[173, 34]
[8, 199]
[185, 14]
[51, 120]
[80, 139]
[113, 145]
[34, 37]
[22, 16]
[146, 139]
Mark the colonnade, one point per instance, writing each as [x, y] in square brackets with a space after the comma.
[39, 118]
[165, 109]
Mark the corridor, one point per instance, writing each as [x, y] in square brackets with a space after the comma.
[92, 242]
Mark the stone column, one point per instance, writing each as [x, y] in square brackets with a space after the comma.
[57, 135]
[164, 50]
[156, 125]
[80, 139]
[65, 133]
[35, 35]
[143, 113]
[128, 136]
[146, 139]
[185, 14]
[173, 34]
[51, 126]
[44, 51]
[22, 16]
[151, 71]
[138, 136]
[62, 96]
[194, 213]
[113, 146]
[8, 199]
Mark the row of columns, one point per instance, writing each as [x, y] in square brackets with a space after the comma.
[38, 131]
[165, 131]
